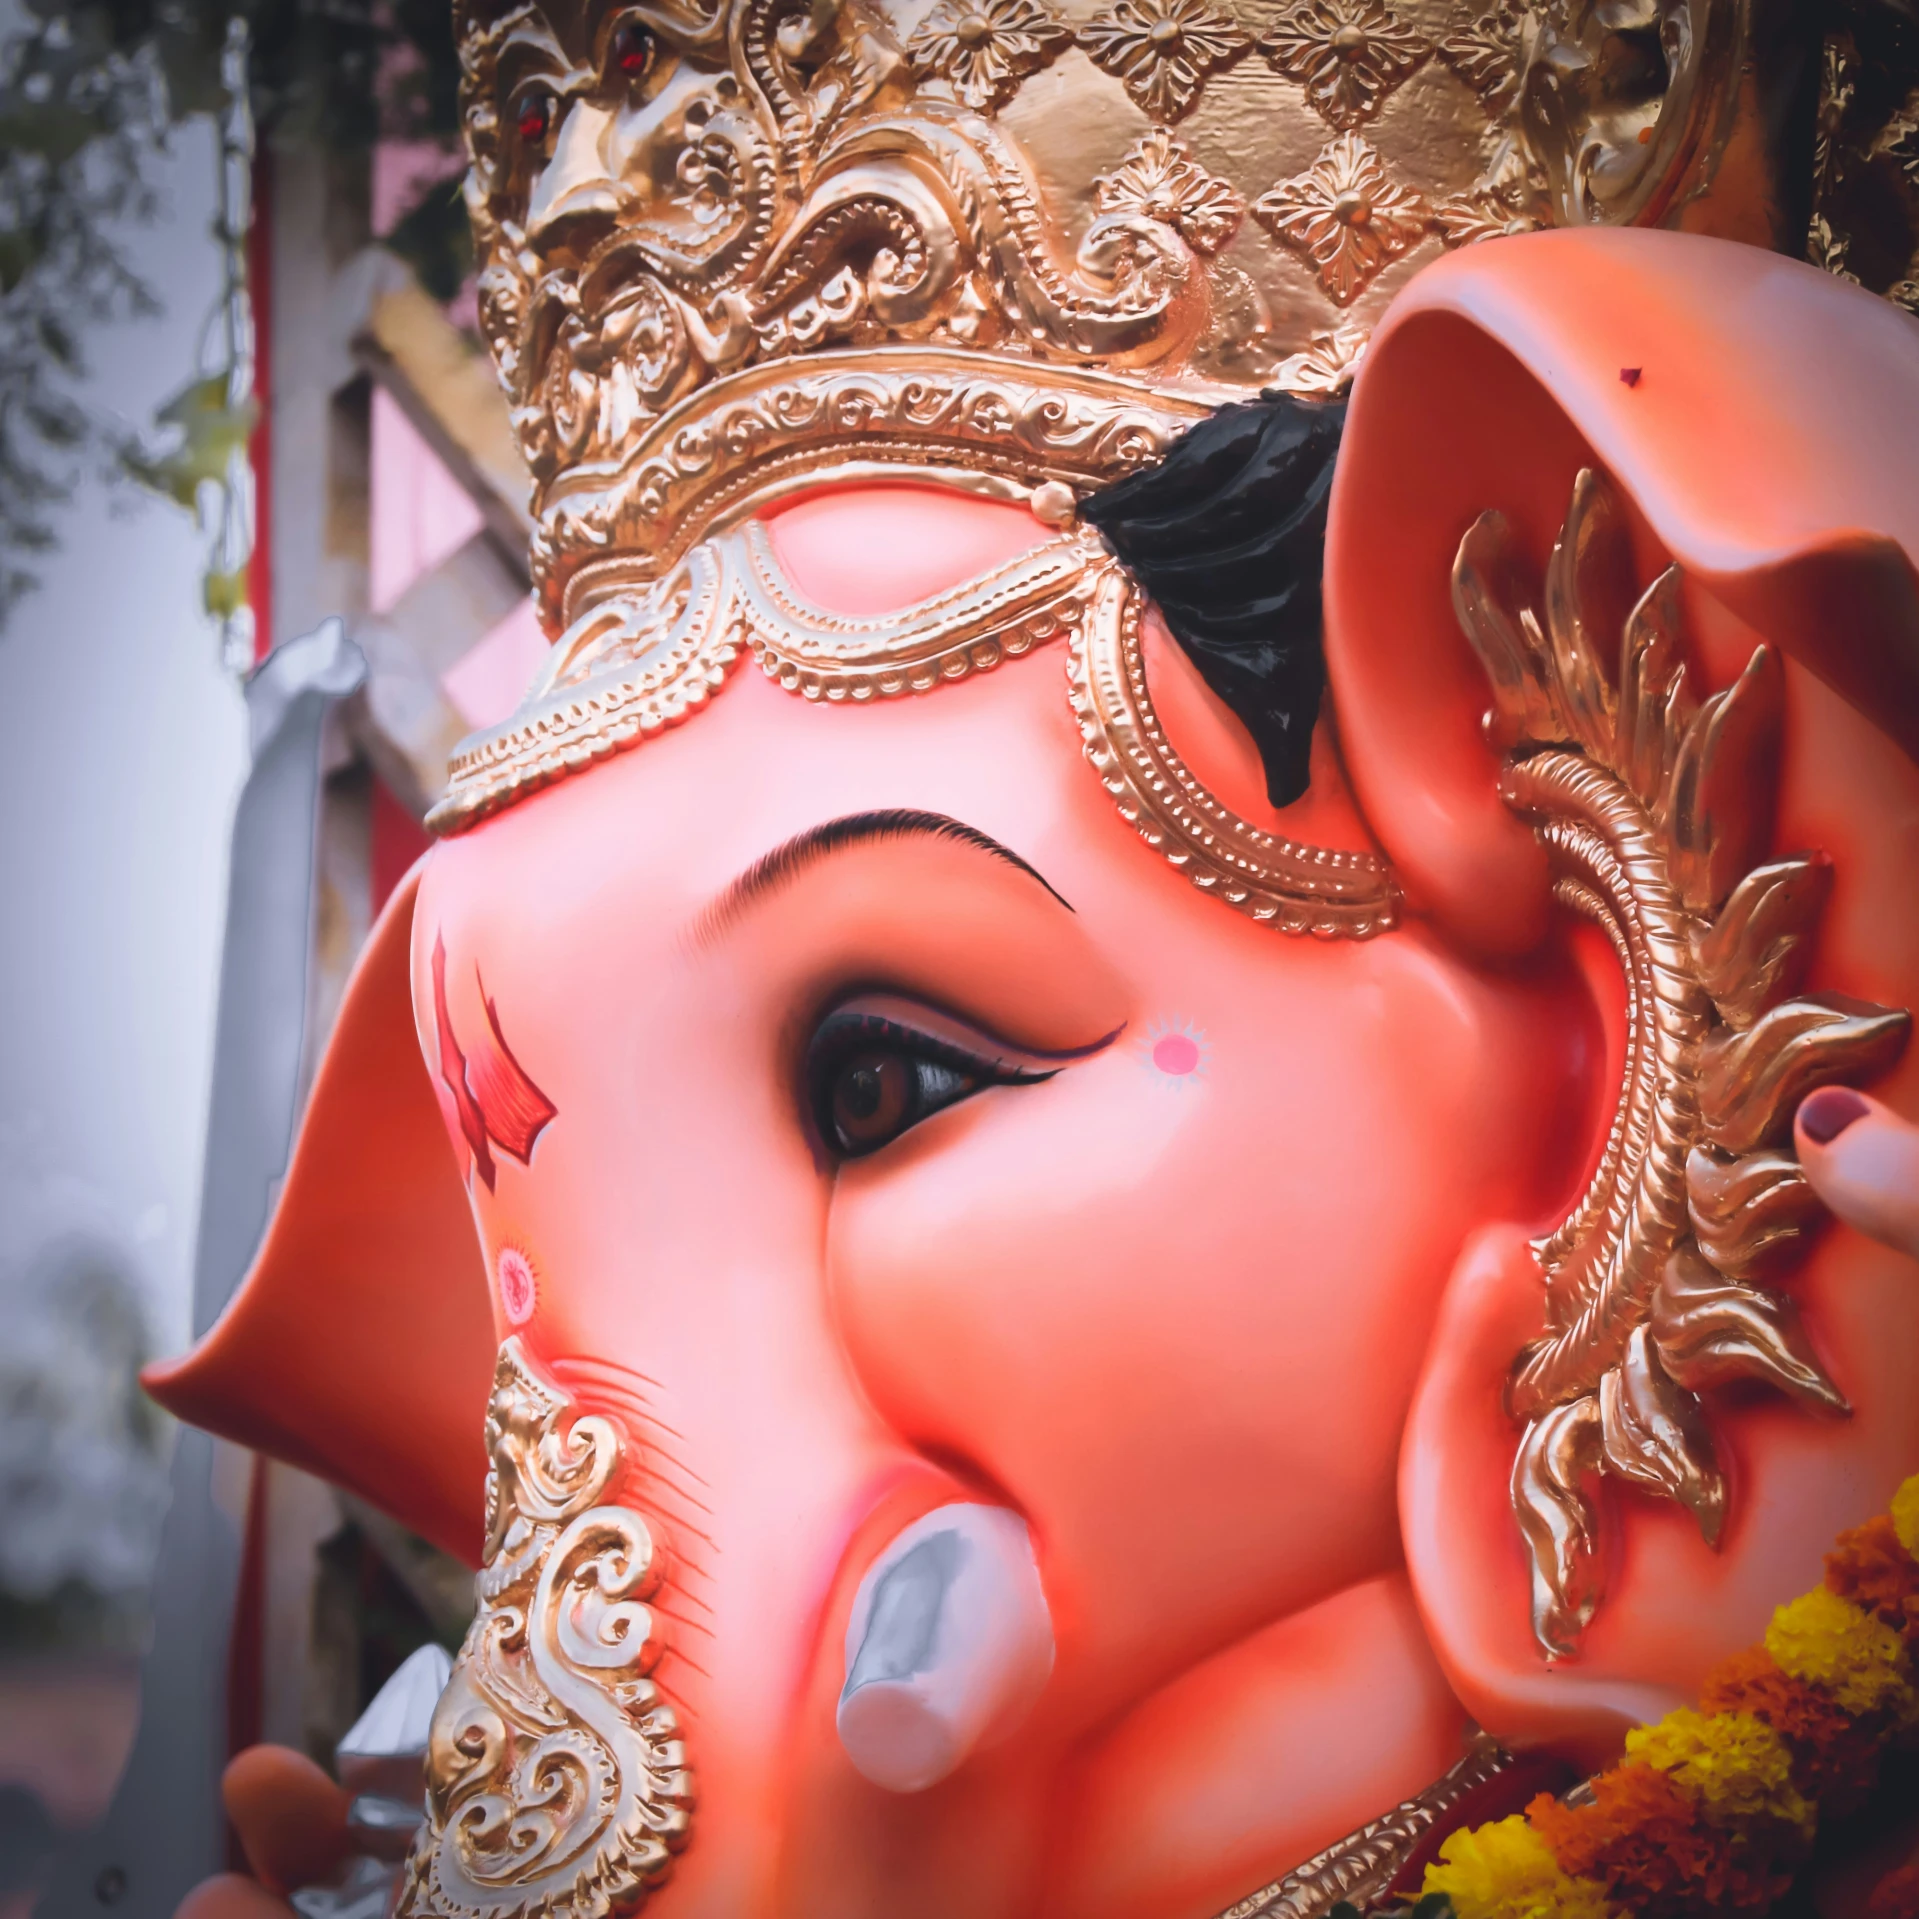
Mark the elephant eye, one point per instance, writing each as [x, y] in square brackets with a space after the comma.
[631, 51]
[870, 1078]
[533, 115]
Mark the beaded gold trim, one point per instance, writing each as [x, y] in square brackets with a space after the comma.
[1278, 882]
[1362, 1867]
[1028, 600]
[635, 664]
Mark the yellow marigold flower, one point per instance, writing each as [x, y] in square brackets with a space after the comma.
[1828, 1642]
[1506, 1871]
[1905, 1515]
[1733, 1764]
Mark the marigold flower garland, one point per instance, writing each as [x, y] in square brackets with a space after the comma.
[1715, 1809]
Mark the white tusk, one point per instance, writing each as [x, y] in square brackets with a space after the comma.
[385, 1752]
[948, 1646]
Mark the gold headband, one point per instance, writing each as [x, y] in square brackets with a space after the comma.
[631, 666]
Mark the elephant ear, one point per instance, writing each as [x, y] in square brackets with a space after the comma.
[1637, 511]
[360, 1345]
[1758, 419]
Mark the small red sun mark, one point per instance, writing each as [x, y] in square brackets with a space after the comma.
[1176, 1054]
[515, 1273]
[1629, 375]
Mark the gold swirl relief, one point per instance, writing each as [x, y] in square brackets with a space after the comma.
[1655, 809]
[556, 1779]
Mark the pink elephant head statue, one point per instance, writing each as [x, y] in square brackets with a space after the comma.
[1042, 1234]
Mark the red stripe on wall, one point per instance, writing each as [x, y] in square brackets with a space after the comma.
[260, 452]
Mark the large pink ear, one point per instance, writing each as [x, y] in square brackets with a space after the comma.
[360, 1347]
[1760, 421]
[1773, 462]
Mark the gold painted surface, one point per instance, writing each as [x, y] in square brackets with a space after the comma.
[1865, 218]
[1277, 882]
[1361, 1869]
[1655, 809]
[1045, 188]
[639, 660]
[556, 1780]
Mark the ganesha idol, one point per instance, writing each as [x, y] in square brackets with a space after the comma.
[1076, 1169]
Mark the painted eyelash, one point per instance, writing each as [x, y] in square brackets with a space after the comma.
[842, 1036]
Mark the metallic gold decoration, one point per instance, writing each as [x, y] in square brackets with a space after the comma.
[1326, 365]
[1162, 50]
[1620, 104]
[1655, 809]
[1349, 55]
[556, 1781]
[992, 244]
[983, 49]
[1865, 206]
[1346, 214]
[627, 668]
[1035, 597]
[636, 663]
[1361, 1869]
[1160, 180]
[978, 196]
[1484, 50]
[1278, 882]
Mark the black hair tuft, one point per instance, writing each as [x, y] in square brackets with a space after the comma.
[1227, 534]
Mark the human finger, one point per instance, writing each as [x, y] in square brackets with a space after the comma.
[291, 1817]
[232, 1895]
[1862, 1159]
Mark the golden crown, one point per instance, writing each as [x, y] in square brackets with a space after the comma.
[1010, 242]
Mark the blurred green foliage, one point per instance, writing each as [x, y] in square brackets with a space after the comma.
[90, 97]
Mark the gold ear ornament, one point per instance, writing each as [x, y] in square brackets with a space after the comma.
[557, 1783]
[1655, 809]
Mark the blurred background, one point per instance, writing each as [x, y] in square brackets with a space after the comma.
[239, 398]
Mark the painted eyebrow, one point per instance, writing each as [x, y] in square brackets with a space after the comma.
[786, 862]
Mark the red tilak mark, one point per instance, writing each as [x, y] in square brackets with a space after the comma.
[453, 1071]
[1629, 375]
[516, 1112]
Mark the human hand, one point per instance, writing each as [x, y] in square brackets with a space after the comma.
[1862, 1159]
[292, 1822]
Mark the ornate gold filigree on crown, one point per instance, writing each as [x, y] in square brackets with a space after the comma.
[1656, 812]
[556, 1781]
[1004, 241]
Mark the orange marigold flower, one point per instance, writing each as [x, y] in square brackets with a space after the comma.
[1640, 1838]
[1872, 1569]
[1835, 1757]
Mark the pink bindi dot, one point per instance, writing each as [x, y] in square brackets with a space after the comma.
[515, 1272]
[1176, 1054]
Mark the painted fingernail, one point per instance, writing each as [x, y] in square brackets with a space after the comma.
[1824, 1115]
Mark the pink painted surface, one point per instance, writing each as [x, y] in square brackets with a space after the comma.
[486, 684]
[1176, 1054]
[420, 513]
[402, 170]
